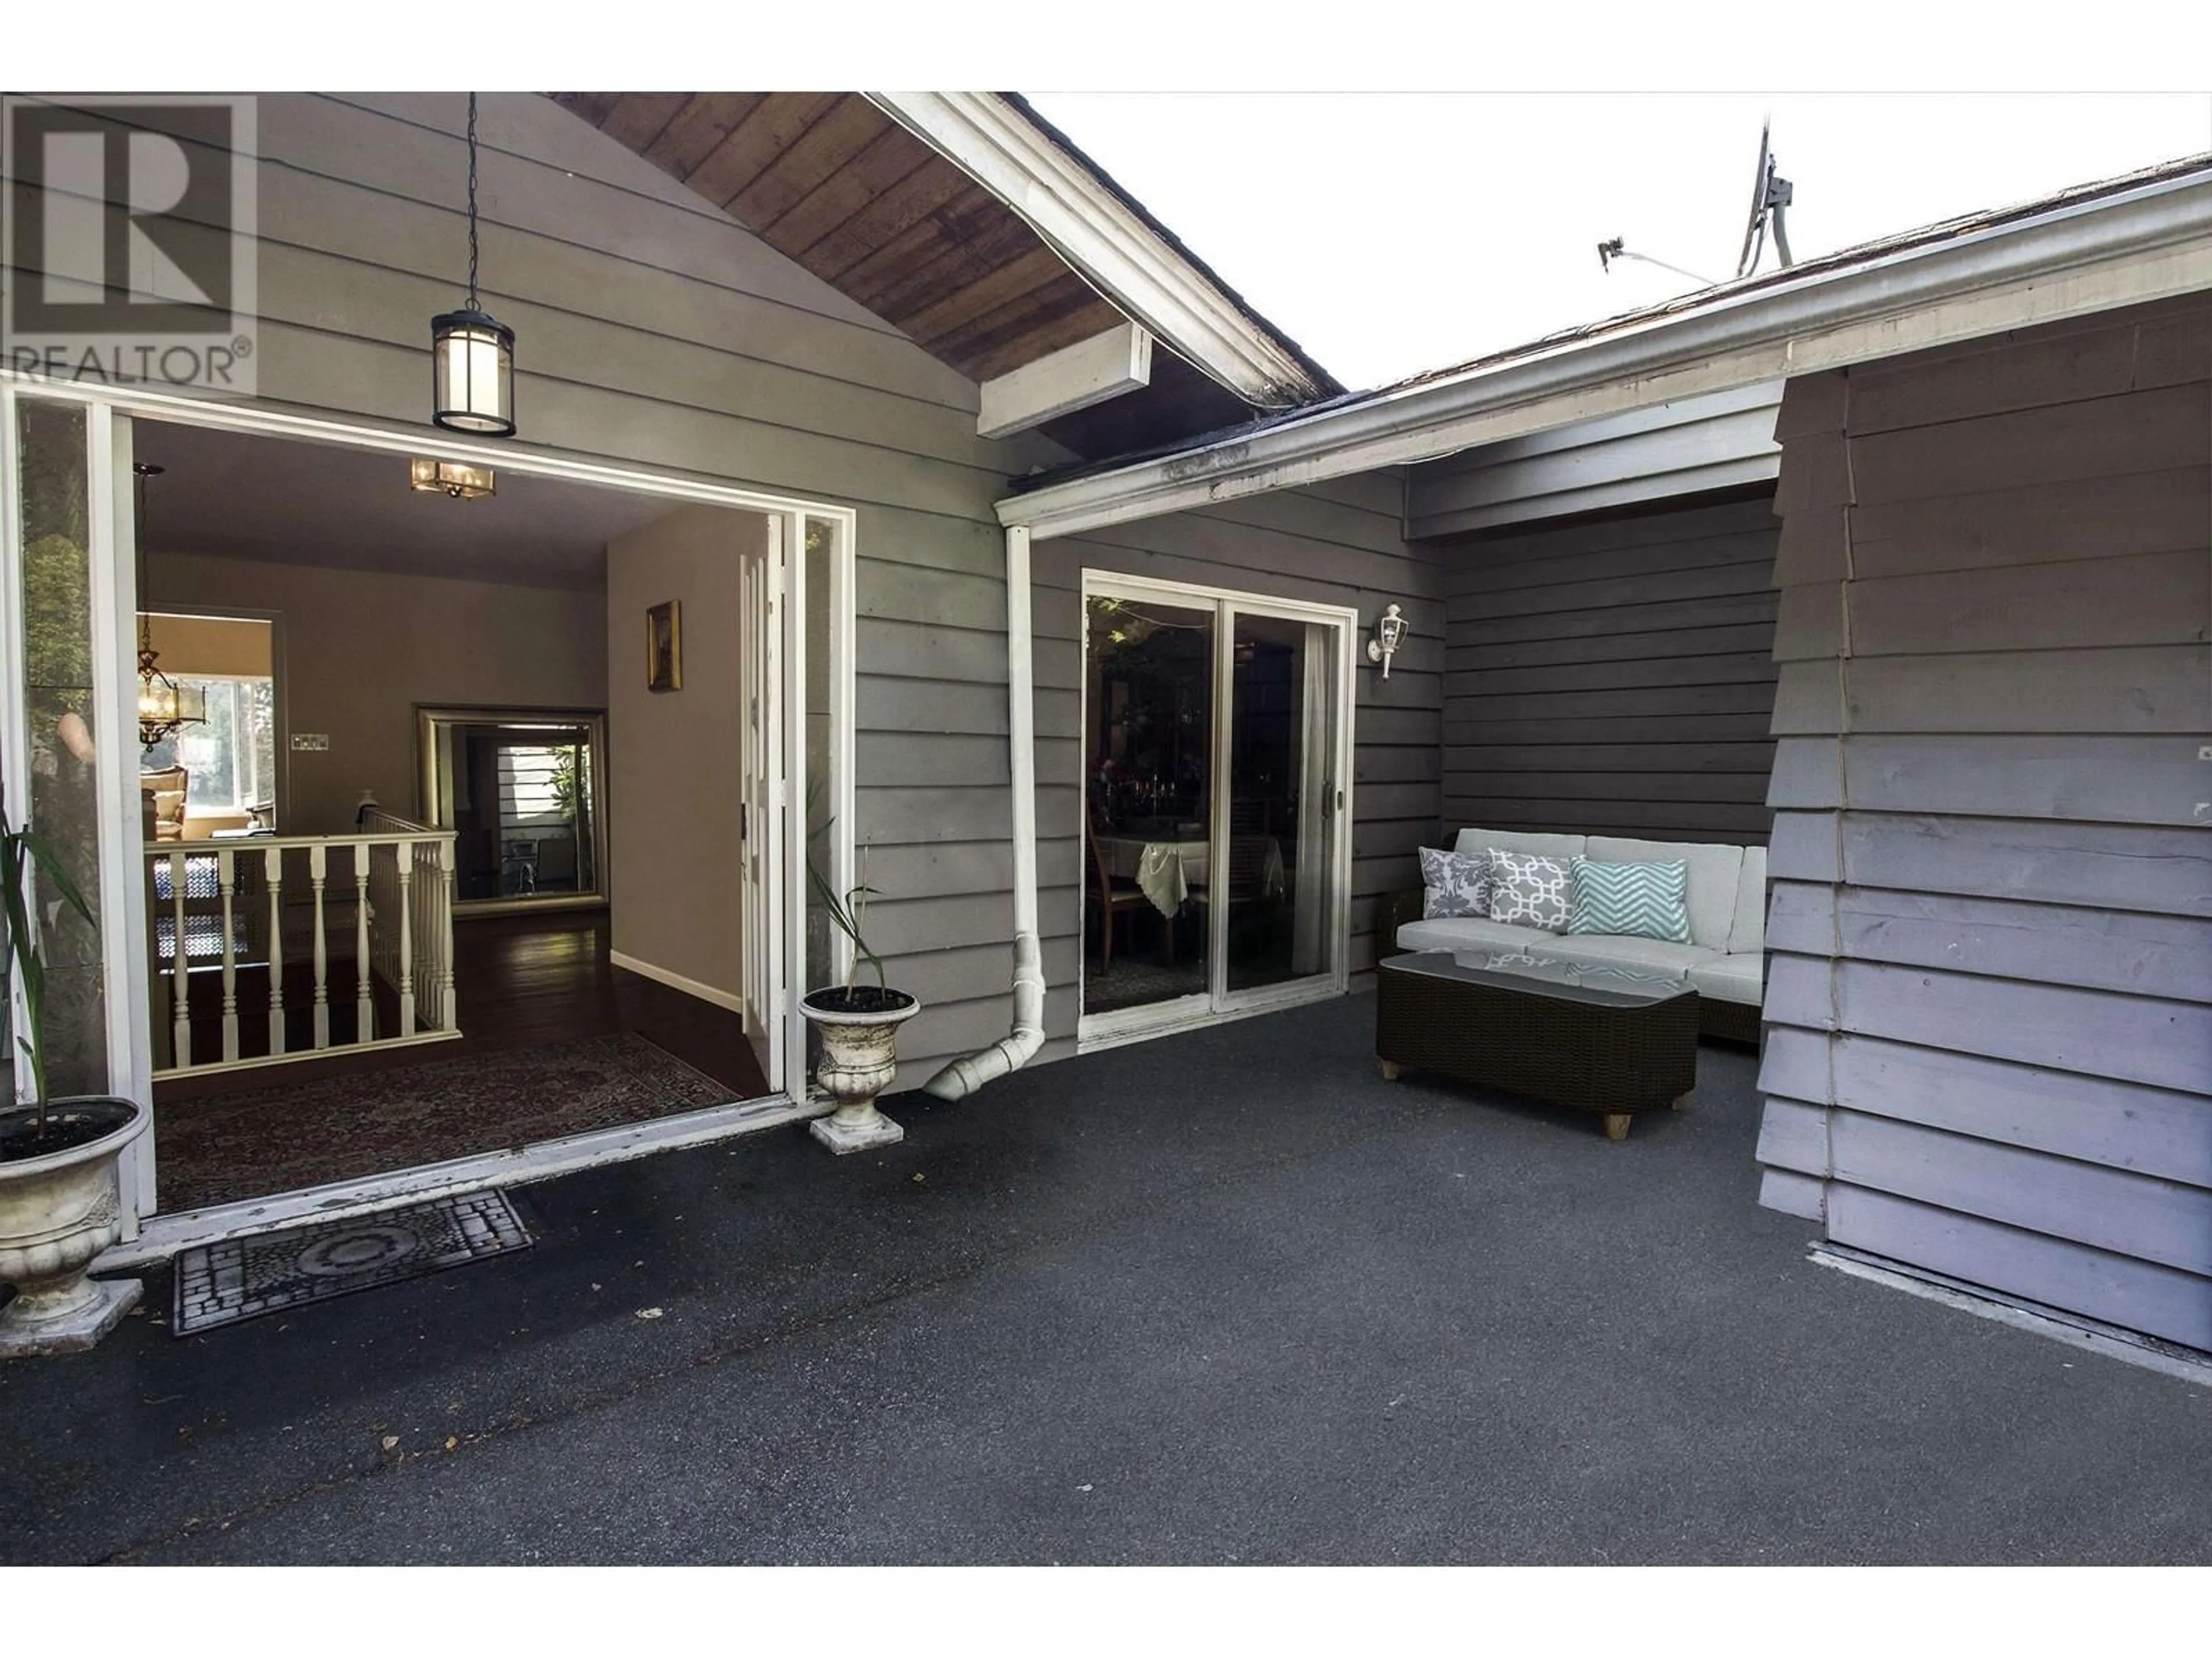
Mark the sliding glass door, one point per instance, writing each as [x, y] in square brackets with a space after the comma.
[1214, 864]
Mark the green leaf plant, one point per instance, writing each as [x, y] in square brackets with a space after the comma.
[23, 854]
[849, 910]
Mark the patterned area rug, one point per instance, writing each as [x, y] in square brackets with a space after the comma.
[277, 1138]
[239, 1278]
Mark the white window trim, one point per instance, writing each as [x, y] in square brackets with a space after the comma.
[1122, 1025]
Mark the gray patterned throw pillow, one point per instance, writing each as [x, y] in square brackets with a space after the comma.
[1528, 889]
[1454, 884]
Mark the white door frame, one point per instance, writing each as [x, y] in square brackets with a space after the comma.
[108, 412]
[1219, 1003]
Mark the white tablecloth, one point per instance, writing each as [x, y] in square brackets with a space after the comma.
[1165, 870]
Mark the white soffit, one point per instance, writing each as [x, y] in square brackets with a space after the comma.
[1128, 261]
[2150, 243]
[1075, 377]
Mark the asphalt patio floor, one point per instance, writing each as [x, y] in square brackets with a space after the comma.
[1223, 1298]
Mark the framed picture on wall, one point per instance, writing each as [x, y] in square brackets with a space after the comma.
[664, 647]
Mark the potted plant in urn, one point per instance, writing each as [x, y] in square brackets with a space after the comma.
[59, 1200]
[859, 1026]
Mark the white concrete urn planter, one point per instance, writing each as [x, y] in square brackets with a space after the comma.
[58, 1210]
[859, 1057]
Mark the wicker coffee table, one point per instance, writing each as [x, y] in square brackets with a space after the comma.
[1598, 1038]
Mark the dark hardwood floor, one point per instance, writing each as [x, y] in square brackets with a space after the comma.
[519, 981]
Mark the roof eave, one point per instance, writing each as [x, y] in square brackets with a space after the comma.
[1141, 271]
[2139, 245]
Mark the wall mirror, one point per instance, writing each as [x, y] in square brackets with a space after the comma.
[523, 791]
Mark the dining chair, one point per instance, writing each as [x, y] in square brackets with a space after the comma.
[1116, 897]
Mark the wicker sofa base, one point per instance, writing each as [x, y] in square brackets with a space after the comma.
[1728, 1021]
[1612, 1061]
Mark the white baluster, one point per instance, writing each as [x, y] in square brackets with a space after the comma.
[316, 870]
[406, 869]
[180, 985]
[364, 1029]
[272, 867]
[448, 1012]
[226, 875]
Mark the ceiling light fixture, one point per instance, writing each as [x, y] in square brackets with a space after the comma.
[471, 355]
[458, 479]
[164, 707]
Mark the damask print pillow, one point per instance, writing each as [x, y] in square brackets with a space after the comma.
[1454, 884]
[1528, 889]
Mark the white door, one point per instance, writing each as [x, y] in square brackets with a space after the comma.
[762, 826]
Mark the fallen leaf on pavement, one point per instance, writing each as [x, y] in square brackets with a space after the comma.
[648, 1313]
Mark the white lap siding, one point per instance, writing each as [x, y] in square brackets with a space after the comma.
[1989, 995]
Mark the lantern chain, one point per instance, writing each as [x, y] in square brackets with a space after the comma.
[472, 203]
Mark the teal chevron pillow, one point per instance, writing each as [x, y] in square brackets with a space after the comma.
[1643, 901]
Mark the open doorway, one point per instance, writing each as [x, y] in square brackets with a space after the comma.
[412, 911]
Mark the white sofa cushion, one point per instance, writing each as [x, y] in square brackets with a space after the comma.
[1730, 978]
[1613, 951]
[1561, 848]
[1466, 933]
[1748, 931]
[1715, 870]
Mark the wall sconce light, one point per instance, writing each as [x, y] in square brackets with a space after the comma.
[1389, 635]
[455, 478]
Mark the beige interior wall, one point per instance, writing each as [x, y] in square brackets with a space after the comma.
[361, 649]
[212, 645]
[674, 759]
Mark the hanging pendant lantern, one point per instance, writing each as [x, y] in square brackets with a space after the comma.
[473, 355]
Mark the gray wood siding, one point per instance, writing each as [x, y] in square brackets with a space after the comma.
[1338, 543]
[1989, 991]
[1614, 675]
[1690, 446]
[657, 334]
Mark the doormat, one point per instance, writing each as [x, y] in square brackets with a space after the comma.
[237, 1279]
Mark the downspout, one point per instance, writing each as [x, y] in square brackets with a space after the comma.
[1011, 1052]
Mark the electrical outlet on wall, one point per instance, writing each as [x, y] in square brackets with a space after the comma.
[311, 743]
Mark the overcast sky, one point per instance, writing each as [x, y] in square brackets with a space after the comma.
[1392, 232]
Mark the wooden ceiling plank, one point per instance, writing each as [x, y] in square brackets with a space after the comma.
[888, 158]
[963, 249]
[1009, 282]
[758, 139]
[638, 118]
[1041, 339]
[935, 185]
[593, 107]
[698, 128]
[843, 131]
[1013, 323]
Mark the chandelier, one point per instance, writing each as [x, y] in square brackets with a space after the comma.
[164, 707]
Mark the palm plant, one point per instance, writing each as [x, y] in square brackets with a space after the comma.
[846, 911]
[23, 853]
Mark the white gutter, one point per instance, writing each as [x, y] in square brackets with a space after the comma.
[1011, 1053]
[1090, 226]
[2146, 244]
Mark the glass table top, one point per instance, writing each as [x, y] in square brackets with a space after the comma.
[1568, 981]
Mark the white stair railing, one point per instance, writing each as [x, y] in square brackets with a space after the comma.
[264, 902]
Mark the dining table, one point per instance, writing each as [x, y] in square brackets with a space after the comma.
[1164, 868]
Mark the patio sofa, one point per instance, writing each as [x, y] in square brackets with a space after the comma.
[1726, 898]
